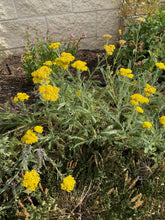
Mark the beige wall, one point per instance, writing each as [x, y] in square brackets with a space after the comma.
[97, 17]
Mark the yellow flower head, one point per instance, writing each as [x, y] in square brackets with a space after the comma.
[130, 76]
[160, 65]
[31, 180]
[162, 120]
[21, 97]
[147, 125]
[80, 65]
[120, 32]
[48, 63]
[38, 129]
[54, 45]
[68, 183]
[148, 90]
[139, 98]
[109, 49]
[134, 102]
[125, 72]
[139, 109]
[30, 137]
[49, 92]
[41, 74]
[64, 60]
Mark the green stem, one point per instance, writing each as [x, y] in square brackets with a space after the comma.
[130, 119]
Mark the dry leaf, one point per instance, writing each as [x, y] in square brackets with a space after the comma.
[134, 182]
[136, 197]
[110, 191]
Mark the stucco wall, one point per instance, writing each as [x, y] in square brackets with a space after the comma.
[97, 17]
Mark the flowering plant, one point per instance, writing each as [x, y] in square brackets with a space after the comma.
[71, 130]
[37, 51]
[143, 41]
[71, 45]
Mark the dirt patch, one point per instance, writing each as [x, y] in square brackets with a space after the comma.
[13, 78]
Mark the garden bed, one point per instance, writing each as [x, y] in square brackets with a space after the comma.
[87, 139]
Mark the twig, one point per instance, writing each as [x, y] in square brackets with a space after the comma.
[83, 196]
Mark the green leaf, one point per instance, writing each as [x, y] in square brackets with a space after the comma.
[109, 133]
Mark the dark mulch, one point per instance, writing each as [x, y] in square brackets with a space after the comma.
[13, 78]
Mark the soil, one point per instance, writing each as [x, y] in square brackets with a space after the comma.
[13, 78]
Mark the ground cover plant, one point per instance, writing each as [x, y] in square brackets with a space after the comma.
[80, 150]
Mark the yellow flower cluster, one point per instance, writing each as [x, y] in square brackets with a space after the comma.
[109, 49]
[30, 137]
[162, 121]
[125, 72]
[48, 63]
[80, 65]
[139, 109]
[68, 183]
[146, 124]
[49, 92]
[54, 45]
[41, 74]
[160, 65]
[38, 129]
[21, 97]
[136, 98]
[148, 90]
[31, 180]
[64, 60]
